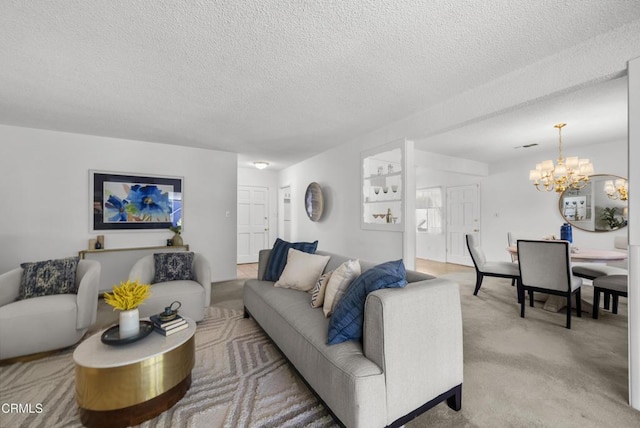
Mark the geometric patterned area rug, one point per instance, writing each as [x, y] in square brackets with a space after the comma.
[239, 380]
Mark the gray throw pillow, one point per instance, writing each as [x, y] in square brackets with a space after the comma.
[48, 277]
[173, 266]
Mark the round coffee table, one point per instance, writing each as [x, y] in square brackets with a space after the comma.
[129, 384]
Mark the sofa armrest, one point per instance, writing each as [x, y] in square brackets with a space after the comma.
[415, 335]
[263, 260]
[87, 280]
[143, 270]
[202, 273]
[10, 286]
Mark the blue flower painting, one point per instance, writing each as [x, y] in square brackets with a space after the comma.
[127, 202]
[132, 202]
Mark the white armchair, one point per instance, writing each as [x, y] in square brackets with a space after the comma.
[194, 295]
[46, 323]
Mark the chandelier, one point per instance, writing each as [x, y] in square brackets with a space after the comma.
[617, 190]
[569, 173]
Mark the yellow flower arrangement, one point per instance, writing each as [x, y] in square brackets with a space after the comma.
[128, 295]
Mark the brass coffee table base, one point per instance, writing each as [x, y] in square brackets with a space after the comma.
[137, 414]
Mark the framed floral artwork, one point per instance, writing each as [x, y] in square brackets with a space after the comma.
[123, 201]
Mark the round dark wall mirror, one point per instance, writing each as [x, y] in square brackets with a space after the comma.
[313, 201]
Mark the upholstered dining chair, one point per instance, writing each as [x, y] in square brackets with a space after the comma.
[49, 314]
[614, 285]
[545, 266]
[488, 268]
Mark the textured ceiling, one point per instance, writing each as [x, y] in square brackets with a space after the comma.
[274, 80]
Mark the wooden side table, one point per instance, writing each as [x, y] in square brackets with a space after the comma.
[119, 386]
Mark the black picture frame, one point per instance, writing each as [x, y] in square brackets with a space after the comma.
[124, 201]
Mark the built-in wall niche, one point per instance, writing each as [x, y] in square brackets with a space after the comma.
[383, 187]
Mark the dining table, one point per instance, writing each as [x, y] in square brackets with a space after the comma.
[588, 255]
[578, 254]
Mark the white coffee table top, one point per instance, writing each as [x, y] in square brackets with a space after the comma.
[93, 353]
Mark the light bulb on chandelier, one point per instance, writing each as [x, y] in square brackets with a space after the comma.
[569, 173]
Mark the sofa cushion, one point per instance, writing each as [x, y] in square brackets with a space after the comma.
[317, 293]
[279, 253]
[45, 278]
[173, 266]
[302, 270]
[348, 315]
[340, 280]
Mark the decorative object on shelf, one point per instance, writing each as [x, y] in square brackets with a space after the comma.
[126, 298]
[92, 244]
[380, 170]
[99, 243]
[314, 201]
[261, 164]
[566, 232]
[569, 173]
[618, 189]
[177, 239]
[130, 202]
[390, 169]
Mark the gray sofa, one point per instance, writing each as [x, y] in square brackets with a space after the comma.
[410, 358]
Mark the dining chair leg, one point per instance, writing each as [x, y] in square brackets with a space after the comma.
[478, 283]
[596, 303]
[579, 302]
[615, 304]
[521, 298]
[531, 298]
[569, 311]
[513, 282]
[607, 300]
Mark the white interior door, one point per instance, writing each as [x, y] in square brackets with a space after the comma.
[463, 217]
[253, 222]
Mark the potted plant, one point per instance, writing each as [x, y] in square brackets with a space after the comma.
[609, 217]
[126, 298]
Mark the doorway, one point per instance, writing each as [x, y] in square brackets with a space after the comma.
[253, 222]
[463, 217]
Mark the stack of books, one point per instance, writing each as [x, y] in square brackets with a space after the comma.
[168, 328]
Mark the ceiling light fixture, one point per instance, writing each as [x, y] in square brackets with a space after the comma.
[569, 173]
[261, 164]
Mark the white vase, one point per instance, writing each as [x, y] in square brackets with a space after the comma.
[129, 323]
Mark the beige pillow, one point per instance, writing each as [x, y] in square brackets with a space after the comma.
[338, 284]
[317, 293]
[302, 270]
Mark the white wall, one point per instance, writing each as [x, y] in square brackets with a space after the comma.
[264, 178]
[338, 172]
[509, 202]
[46, 203]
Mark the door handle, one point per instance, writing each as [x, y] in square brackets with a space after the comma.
[476, 230]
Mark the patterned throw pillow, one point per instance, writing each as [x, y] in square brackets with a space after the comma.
[317, 293]
[173, 266]
[279, 253]
[340, 280]
[48, 277]
[348, 316]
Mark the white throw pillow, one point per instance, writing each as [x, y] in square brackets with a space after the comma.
[302, 270]
[338, 284]
[317, 294]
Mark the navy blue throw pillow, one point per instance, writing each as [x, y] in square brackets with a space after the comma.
[278, 256]
[347, 320]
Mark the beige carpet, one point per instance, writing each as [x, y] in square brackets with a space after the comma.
[529, 372]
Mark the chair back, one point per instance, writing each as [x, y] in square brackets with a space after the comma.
[545, 264]
[477, 255]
